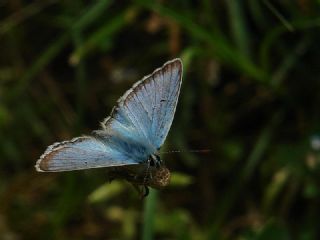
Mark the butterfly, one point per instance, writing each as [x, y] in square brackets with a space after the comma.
[129, 140]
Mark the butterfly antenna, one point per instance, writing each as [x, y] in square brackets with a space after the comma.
[189, 151]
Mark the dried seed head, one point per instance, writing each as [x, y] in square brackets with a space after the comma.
[160, 178]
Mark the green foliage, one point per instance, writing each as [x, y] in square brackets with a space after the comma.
[250, 94]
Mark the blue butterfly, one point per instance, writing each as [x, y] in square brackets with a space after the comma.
[130, 139]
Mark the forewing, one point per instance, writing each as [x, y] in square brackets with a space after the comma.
[149, 106]
[81, 153]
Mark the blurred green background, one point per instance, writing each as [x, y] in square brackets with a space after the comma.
[250, 94]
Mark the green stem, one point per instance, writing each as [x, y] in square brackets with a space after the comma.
[148, 215]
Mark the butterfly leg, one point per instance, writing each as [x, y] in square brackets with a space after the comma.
[159, 163]
[148, 174]
[153, 161]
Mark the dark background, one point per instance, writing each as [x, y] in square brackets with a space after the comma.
[250, 93]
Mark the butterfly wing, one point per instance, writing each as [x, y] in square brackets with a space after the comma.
[81, 153]
[149, 106]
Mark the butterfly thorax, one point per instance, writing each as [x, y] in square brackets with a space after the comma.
[152, 173]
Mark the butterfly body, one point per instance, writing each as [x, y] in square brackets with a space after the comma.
[130, 138]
